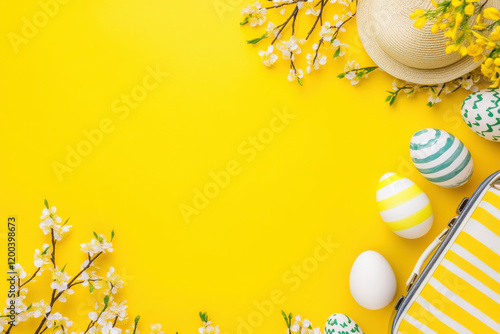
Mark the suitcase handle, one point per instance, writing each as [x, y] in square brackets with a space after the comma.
[421, 261]
[436, 242]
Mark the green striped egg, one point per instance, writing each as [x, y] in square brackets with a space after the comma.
[339, 323]
[441, 158]
[481, 113]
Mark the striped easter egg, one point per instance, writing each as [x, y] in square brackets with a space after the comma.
[441, 158]
[403, 206]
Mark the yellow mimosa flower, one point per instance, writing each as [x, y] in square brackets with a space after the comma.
[452, 48]
[492, 13]
[495, 35]
[469, 9]
[417, 13]
[475, 50]
[420, 22]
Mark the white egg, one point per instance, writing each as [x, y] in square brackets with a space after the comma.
[372, 281]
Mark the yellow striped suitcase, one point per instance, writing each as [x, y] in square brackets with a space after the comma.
[458, 291]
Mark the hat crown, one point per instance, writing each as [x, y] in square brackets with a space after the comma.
[396, 35]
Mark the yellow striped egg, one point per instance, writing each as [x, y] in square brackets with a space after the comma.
[403, 206]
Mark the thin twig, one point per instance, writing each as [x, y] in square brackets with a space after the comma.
[55, 296]
[285, 4]
[29, 280]
[283, 25]
[323, 3]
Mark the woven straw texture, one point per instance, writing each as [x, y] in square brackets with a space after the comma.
[405, 52]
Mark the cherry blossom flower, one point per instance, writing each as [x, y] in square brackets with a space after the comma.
[39, 309]
[254, 14]
[268, 57]
[113, 280]
[156, 329]
[60, 280]
[351, 74]
[290, 47]
[311, 8]
[293, 74]
[42, 257]
[97, 246]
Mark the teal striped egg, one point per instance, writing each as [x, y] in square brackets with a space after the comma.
[441, 158]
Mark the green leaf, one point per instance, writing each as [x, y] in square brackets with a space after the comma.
[136, 321]
[204, 316]
[106, 301]
[46, 204]
[65, 222]
[337, 53]
[62, 270]
[370, 69]
[300, 81]
[430, 104]
[245, 21]
[388, 98]
[393, 99]
[257, 40]
[341, 75]
[91, 287]
[45, 250]
[98, 237]
[285, 317]
[112, 235]
[29, 307]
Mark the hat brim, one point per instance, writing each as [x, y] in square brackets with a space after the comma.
[399, 70]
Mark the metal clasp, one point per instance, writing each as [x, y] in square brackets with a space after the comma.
[412, 281]
[445, 232]
[452, 222]
[496, 183]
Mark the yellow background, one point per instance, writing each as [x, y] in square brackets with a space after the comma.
[317, 178]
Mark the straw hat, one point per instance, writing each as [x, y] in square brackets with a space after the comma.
[405, 52]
